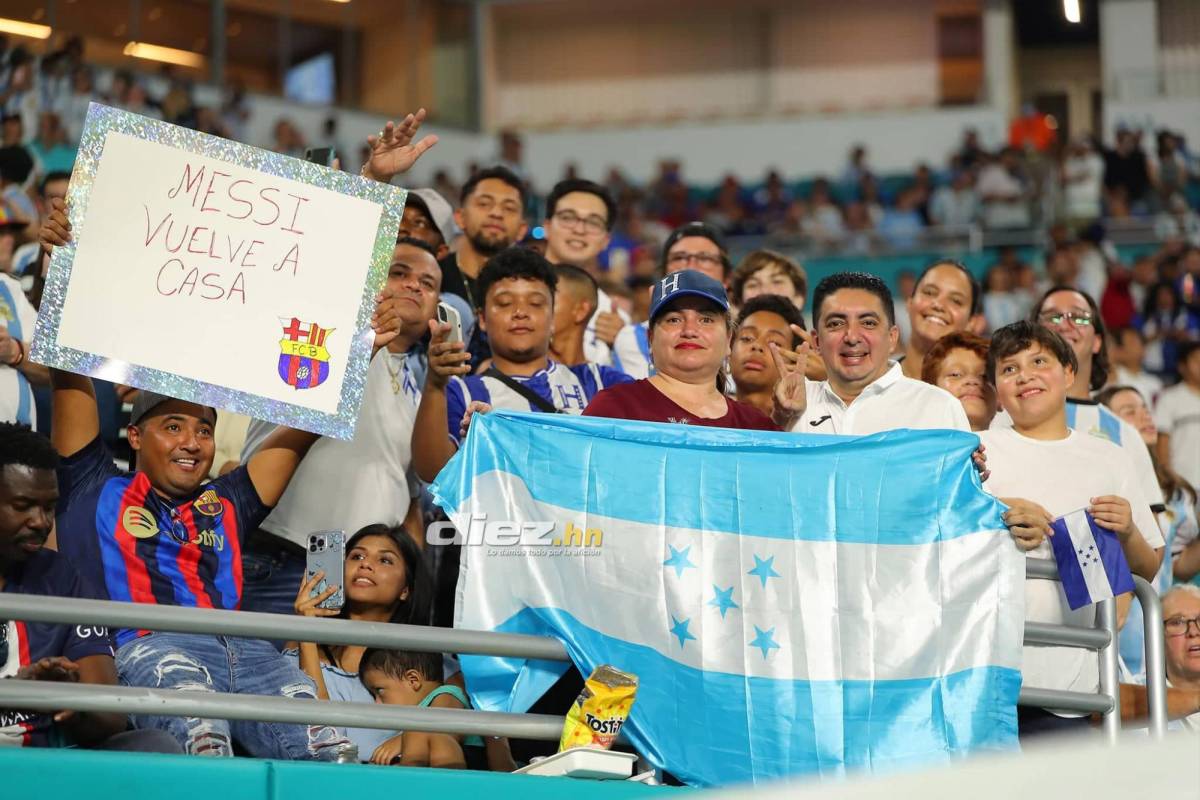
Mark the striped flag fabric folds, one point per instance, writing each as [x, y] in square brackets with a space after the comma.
[1091, 563]
[792, 604]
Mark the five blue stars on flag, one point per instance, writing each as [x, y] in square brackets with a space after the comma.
[722, 600]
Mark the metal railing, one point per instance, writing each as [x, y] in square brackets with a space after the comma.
[1103, 639]
[132, 700]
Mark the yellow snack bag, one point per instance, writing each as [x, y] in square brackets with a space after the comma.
[597, 715]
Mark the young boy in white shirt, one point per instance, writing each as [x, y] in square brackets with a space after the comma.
[1058, 470]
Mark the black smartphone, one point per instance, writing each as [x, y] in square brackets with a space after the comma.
[320, 155]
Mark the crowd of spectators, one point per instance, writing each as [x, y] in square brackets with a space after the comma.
[1049, 367]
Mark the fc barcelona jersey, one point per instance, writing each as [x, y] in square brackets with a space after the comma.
[143, 548]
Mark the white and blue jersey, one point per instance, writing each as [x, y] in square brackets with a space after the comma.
[631, 351]
[18, 317]
[569, 389]
[1095, 419]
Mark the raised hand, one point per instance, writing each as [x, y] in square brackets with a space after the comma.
[386, 321]
[56, 230]
[309, 605]
[791, 392]
[446, 359]
[393, 151]
[608, 325]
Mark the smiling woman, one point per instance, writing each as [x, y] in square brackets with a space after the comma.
[385, 580]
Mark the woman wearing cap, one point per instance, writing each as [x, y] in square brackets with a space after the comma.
[689, 333]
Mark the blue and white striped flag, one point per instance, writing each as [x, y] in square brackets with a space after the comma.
[1091, 563]
[791, 604]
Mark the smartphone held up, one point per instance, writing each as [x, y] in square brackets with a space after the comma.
[327, 554]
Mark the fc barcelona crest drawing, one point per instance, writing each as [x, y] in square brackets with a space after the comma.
[303, 359]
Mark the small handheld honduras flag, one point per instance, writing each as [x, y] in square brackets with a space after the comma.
[1091, 563]
[791, 604]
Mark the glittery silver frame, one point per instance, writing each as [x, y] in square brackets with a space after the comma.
[46, 349]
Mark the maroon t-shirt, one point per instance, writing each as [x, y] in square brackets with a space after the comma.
[643, 401]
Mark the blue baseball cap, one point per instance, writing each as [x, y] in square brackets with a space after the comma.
[683, 283]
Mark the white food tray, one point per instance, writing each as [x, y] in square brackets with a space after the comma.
[585, 762]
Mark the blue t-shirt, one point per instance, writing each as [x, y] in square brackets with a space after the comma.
[568, 389]
[45, 573]
[140, 547]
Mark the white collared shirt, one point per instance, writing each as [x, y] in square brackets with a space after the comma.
[893, 401]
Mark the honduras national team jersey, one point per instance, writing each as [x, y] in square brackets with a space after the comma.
[143, 548]
[569, 389]
[45, 573]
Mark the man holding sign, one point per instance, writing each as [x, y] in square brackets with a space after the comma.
[163, 535]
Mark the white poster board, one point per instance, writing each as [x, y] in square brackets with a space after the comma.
[218, 273]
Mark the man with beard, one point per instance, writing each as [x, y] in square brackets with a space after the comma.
[492, 216]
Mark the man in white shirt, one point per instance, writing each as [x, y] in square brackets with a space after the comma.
[1178, 417]
[346, 485]
[864, 393]
[579, 219]
[1075, 317]
[1043, 461]
[694, 245]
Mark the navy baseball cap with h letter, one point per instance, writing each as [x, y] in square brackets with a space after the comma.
[684, 283]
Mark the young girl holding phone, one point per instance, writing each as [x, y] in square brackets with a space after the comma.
[384, 580]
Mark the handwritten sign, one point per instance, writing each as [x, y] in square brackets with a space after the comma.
[218, 273]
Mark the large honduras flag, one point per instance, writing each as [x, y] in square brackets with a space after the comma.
[791, 604]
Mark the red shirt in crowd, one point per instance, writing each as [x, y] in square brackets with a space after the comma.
[643, 401]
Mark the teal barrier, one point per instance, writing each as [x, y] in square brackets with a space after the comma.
[35, 773]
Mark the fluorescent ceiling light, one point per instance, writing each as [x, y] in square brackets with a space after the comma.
[29, 29]
[168, 55]
[1071, 10]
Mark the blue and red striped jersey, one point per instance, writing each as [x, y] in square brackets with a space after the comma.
[45, 573]
[144, 548]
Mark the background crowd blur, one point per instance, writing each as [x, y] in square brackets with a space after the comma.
[1035, 149]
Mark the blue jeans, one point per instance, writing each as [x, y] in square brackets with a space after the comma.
[271, 575]
[199, 663]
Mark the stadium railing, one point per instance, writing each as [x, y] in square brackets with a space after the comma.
[133, 700]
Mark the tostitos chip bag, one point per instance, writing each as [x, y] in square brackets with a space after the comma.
[597, 715]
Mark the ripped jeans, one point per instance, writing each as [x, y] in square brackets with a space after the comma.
[200, 663]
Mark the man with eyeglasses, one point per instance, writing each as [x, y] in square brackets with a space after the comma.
[694, 245]
[1181, 631]
[579, 219]
[1075, 317]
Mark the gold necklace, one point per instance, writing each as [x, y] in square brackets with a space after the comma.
[396, 385]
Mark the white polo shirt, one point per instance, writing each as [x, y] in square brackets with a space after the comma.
[893, 401]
